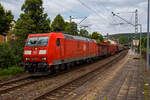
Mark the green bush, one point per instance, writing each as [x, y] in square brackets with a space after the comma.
[7, 58]
[17, 48]
[11, 71]
[8, 72]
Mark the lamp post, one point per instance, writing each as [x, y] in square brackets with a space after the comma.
[147, 65]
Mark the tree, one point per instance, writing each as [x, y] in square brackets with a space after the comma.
[84, 33]
[97, 36]
[71, 28]
[32, 21]
[34, 9]
[144, 42]
[123, 40]
[6, 18]
[58, 24]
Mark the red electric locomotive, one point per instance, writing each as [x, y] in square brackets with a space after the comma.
[50, 51]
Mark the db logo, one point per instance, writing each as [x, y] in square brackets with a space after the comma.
[34, 52]
[84, 48]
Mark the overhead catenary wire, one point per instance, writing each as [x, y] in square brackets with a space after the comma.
[130, 19]
[106, 9]
[66, 7]
[112, 18]
[129, 22]
[93, 10]
[84, 6]
[62, 6]
[101, 5]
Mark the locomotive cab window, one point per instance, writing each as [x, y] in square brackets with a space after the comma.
[37, 41]
[58, 42]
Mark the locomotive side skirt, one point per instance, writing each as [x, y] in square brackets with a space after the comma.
[60, 61]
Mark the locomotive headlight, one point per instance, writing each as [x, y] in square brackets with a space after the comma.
[42, 52]
[44, 59]
[27, 52]
[27, 58]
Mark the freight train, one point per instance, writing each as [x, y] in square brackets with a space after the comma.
[49, 52]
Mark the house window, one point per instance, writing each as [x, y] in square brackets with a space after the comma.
[5, 38]
[13, 37]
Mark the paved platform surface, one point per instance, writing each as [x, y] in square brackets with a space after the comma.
[128, 83]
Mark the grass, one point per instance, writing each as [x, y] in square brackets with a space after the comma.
[11, 71]
[146, 86]
[146, 92]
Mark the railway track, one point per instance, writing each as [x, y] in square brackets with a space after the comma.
[27, 80]
[12, 85]
[13, 80]
[19, 83]
[61, 91]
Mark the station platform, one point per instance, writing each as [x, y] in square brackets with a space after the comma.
[125, 81]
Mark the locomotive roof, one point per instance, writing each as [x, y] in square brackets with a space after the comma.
[65, 36]
[77, 38]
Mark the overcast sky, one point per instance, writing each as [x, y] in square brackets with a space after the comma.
[98, 12]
